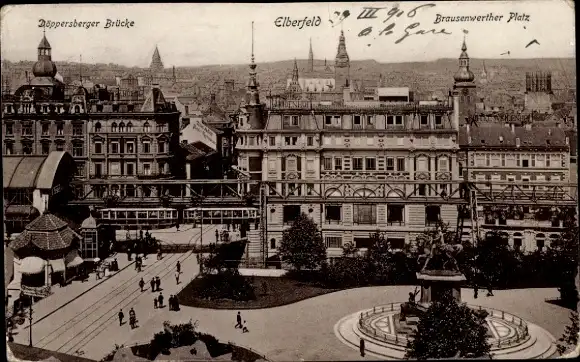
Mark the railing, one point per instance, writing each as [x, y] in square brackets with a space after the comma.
[367, 329]
[521, 327]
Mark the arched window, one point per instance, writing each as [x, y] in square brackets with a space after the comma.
[121, 127]
[129, 127]
[98, 127]
[518, 240]
[146, 127]
[114, 127]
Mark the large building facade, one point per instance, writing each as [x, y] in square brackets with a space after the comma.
[347, 145]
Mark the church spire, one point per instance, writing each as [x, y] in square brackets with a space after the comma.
[156, 63]
[294, 86]
[253, 94]
[310, 58]
[342, 59]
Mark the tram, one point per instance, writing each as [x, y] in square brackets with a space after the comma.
[140, 217]
[216, 215]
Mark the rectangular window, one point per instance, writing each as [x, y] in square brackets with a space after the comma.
[78, 149]
[371, 164]
[59, 129]
[488, 160]
[424, 120]
[27, 129]
[518, 162]
[45, 148]
[438, 120]
[130, 147]
[310, 141]
[9, 128]
[272, 141]
[502, 160]
[295, 120]
[272, 165]
[130, 169]
[533, 160]
[160, 127]
[80, 171]
[365, 214]
[98, 169]
[338, 164]
[332, 214]
[161, 147]
[60, 146]
[333, 241]
[114, 147]
[327, 164]
[390, 164]
[357, 163]
[390, 120]
[310, 165]
[287, 141]
[548, 165]
[525, 163]
[294, 141]
[357, 121]
[45, 129]
[395, 214]
[115, 168]
[161, 168]
[525, 181]
[401, 164]
[147, 169]
[432, 215]
[251, 141]
[77, 129]
[443, 166]
[370, 121]
[290, 213]
[328, 120]
[423, 164]
[398, 120]
[146, 147]
[98, 147]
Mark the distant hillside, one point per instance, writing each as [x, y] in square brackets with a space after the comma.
[506, 77]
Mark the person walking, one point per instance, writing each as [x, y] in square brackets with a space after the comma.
[132, 318]
[157, 283]
[362, 347]
[152, 282]
[155, 303]
[171, 301]
[160, 298]
[175, 303]
[238, 321]
[217, 236]
[177, 277]
[158, 253]
[178, 267]
[121, 316]
[245, 328]
[128, 254]
[141, 284]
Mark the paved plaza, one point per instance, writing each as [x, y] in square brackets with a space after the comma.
[88, 326]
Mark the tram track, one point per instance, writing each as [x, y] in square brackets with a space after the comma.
[108, 316]
[123, 303]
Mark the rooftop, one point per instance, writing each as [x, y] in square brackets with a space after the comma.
[497, 135]
[32, 171]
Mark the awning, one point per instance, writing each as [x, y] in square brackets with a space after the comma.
[32, 265]
[73, 259]
[57, 265]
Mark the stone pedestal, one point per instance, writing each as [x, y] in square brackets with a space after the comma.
[436, 283]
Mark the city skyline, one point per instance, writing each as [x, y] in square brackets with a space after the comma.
[21, 34]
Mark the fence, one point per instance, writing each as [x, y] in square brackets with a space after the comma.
[521, 327]
[368, 330]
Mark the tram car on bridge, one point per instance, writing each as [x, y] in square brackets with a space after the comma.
[216, 215]
[155, 218]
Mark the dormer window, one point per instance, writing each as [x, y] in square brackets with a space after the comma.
[121, 127]
[129, 127]
[500, 139]
[548, 142]
[114, 127]
[482, 141]
[146, 127]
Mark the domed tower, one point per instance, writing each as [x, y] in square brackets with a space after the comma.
[342, 64]
[44, 66]
[465, 87]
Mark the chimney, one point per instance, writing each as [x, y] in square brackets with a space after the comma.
[518, 142]
[500, 139]
[513, 128]
[507, 125]
[528, 126]
[468, 128]
[549, 131]
[567, 140]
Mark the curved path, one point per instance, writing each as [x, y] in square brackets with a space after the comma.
[305, 330]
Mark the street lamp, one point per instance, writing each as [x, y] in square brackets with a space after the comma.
[30, 322]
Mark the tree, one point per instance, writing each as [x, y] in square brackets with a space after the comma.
[563, 258]
[302, 244]
[495, 261]
[449, 329]
[570, 337]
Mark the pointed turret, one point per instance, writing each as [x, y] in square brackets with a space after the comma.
[310, 58]
[253, 106]
[156, 63]
[294, 86]
[483, 75]
[342, 59]
[464, 74]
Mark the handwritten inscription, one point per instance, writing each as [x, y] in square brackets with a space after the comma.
[286, 22]
[393, 14]
[439, 18]
[107, 24]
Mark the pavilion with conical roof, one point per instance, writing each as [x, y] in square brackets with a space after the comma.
[43, 252]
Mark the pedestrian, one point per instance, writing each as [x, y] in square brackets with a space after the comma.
[141, 234]
[244, 328]
[160, 298]
[132, 318]
[172, 302]
[177, 277]
[475, 292]
[116, 263]
[128, 253]
[158, 253]
[157, 283]
[217, 236]
[139, 266]
[362, 347]
[141, 284]
[177, 226]
[178, 267]
[152, 282]
[155, 303]
[175, 303]
[121, 316]
[238, 321]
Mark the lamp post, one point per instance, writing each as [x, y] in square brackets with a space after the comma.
[30, 322]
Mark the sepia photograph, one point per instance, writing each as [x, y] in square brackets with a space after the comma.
[339, 181]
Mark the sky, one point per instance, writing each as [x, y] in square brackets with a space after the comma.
[202, 34]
